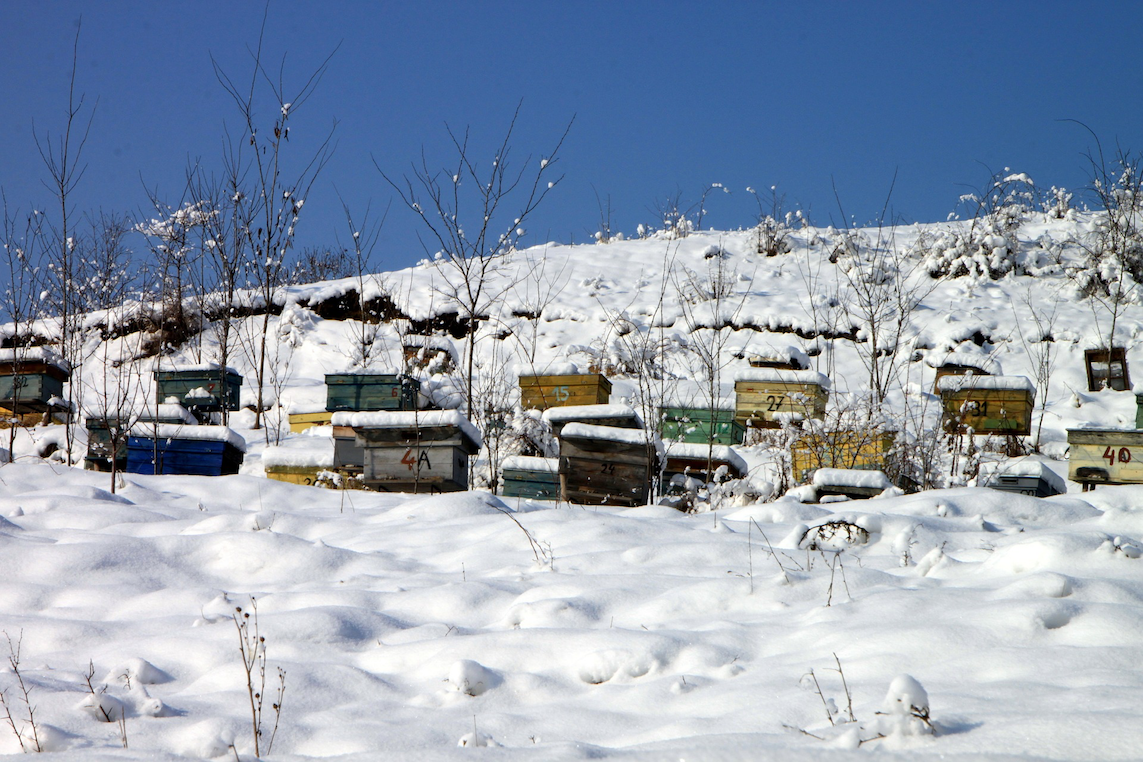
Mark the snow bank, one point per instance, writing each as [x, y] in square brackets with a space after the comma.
[579, 412]
[1027, 466]
[701, 451]
[303, 452]
[847, 477]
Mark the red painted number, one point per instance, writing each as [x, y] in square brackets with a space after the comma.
[409, 460]
[1112, 457]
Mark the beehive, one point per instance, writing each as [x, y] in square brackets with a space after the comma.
[987, 404]
[606, 465]
[1025, 476]
[1105, 456]
[701, 461]
[185, 450]
[618, 416]
[424, 451]
[370, 391]
[859, 450]
[701, 425]
[532, 478]
[543, 392]
[30, 380]
[766, 396]
[99, 424]
[299, 422]
[200, 388]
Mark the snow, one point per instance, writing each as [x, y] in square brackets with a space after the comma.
[847, 477]
[46, 355]
[400, 619]
[781, 376]
[1010, 383]
[179, 431]
[702, 451]
[529, 463]
[200, 367]
[579, 412]
[410, 624]
[302, 452]
[605, 433]
[407, 419]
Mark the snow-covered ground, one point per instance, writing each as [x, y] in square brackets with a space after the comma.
[967, 623]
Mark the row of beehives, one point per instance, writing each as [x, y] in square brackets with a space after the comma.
[176, 432]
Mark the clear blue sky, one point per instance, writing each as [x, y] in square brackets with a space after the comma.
[667, 96]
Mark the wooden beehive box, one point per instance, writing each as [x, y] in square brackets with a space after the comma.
[766, 396]
[1139, 409]
[370, 391]
[424, 451]
[432, 354]
[701, 425]
[29, 381]
[987, 404]
[348, 454]
[619, 416]
[606, 465]
[1100, 372]
[186, 450]
[1025, 476]
[299, 422]
[701, 461]
[531, 478]
[200, 388]
[99, 454]
[308, 460]
[862, 450]
[852, 483]
[544, 392]
[1105, 456]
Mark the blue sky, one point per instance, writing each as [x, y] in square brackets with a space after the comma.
[668, 97]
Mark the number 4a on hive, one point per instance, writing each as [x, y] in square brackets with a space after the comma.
[421, 462]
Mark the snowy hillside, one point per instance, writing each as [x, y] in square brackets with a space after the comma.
[960, 622]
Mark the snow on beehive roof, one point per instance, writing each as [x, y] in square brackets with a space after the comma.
[408, 419]
[576, 412]
[957, 383]
[180, 431]
[782, 376]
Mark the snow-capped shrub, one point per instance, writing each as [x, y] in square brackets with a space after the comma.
[905, 710]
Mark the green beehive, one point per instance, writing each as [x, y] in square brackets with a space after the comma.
[203, 388]
[370, 391]
[29, 384]
[700, 425]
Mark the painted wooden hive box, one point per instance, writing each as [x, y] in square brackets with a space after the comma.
[701, 425]
[544, 392]
[618, 416]
[309, 460]
[606, 465]
[987, 404]
[1105, 456]
[863, 450]
[765, 397]
[370, 391]
[200, 388]
[1025, 476]
[532, 478]
[186, 450]
[103, 428]
[703, 462]
[31, 380]
[413, 451]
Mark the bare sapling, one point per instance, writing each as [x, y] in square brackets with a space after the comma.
[27, 723]
[252, 647]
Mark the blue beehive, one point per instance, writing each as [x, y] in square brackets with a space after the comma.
[186, 450]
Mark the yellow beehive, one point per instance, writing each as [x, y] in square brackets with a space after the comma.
[543, 392]
[853, 450]
[987, 404]
[766, 396]
[1105, 456]
[299, 422]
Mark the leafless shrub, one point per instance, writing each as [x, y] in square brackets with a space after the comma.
[252, 647]
[28, 722]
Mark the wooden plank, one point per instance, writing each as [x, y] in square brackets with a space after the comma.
[441, 465]
[989, 411]
[1105, 456]
[299, 422]
[543, 392]
[33, 367]
[765, 402]
[1100, 372]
